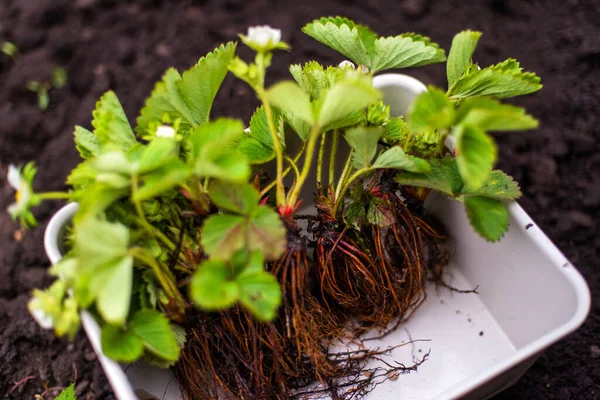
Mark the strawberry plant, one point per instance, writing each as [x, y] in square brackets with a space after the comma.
[190, 256]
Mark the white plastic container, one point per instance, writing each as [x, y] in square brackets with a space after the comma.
[529, 296]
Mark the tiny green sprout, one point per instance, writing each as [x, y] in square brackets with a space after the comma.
[10, 49]
[67, 394]
[58, 80]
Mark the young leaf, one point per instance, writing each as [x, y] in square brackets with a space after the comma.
[86, 143]
[488, 217]
[241, 198]
[484, 103]
[459, 59]
[260, 294]
[43, 98]
[120, 345]
[314, 79]
[502, 80]
[430, 110]
[257, 143]
[403, 51]
[476, 155]
[110, 122]
[444, 176]
[363, 141]
[290, 98]
[96, 198]
[395, 157]
[341, 34]
[153, 328]
[212, 287]
[344, 98]
[158, 153]
[68, 393]
[396, 130]
[188, 96]
[380, 212]
[498, 186]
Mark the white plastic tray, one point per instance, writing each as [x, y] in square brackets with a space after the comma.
[529, 297]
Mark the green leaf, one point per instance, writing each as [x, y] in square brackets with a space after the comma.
[345, 97]
[110, 122]
[158, 153]
[120, 345]
[188, 96]
[502, 80]
[444, 176]
[459, 59]
[112, 284]
[363, 141]
[99, 242]
[259, 293]
[97, 198]
[498, 186]
[404, 51]
[380, 212]
[476, 155]
[292, 101]
[262, 230]
[301, 127]
[488, 217]
[395, 157]
[212, 288]
[199, 85]
[341, 34]
[10, 49]
[223, 235]
[507, 118]
[267, 233]
[153, 328]
[430, 110]
[68, 393]
[212, 151]
[86, 143]
[162, 180]
[240, 198]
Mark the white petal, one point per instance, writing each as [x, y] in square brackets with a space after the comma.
[263, 35]
[347, 64]
[14, 177]
[165, 131]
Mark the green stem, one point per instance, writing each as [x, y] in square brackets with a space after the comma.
[332, 158]
[340, 200]
[310, 150]
[320, 163]
[280, 192]
[166, 279]
[345, 172]
[287, 171]
[137, 203]
[292, 164]
[53, 195]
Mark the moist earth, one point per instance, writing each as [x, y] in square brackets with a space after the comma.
[125, 46]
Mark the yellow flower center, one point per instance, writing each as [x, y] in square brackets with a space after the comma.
[18, 196]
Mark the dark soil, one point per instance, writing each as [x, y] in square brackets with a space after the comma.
[125, 46]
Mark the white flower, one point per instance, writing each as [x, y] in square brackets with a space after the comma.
[263, 36]
[36, 309]
[347, 64]
[23, 192]
[165, 131]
